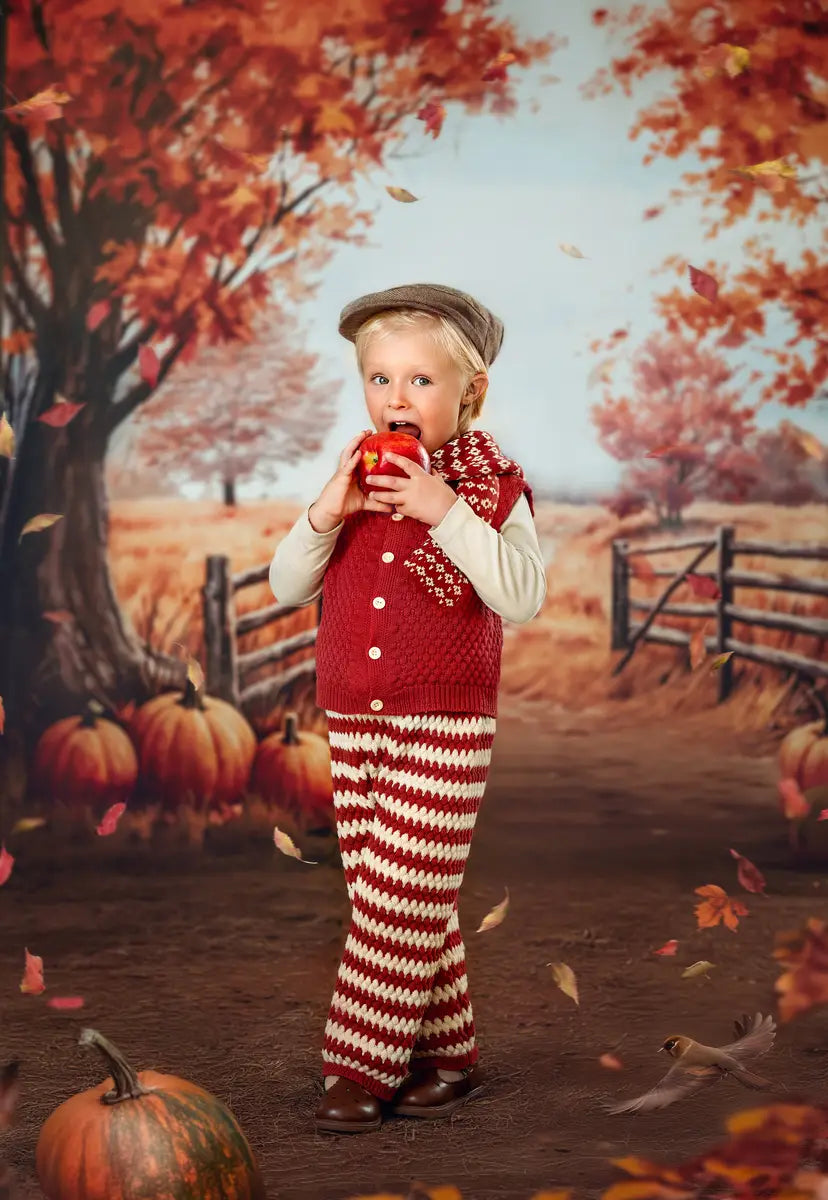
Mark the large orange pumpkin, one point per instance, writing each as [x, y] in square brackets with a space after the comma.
[292, 771]
[803, 756]
[149, 1135]
[193, 748]
[85, 762]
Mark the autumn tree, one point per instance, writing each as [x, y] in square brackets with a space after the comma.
[170, 168]
[749, 96]
[238, 410]
[681, 430]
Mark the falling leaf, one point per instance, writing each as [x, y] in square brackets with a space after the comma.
[601, 373]
[668, 948]
[26, 824]
[571, 250]
[148, 364]
[9, 1094]
[45, 104]
[41, 521]
[6, 438]
[496, 69]
[703, 586]
[495, 916]
[650, 213]
[698, 651]
[58, 615]
[61, 413]
[641, 567]
[749, 876]
[720, 660]
[804, 952]
[716, 907]
[2, 715]
[795, 806]
[398, 193]
[823, 816]
[611, 1061]
[810, 444]
[564, 977]
[702, 283]
[97, 313]
[6, 864]
[195, 674]
[777, 167]
[697, 968]
[33, 975]
[66, 1002]
[284, 842]
[110, 819]
[433, 114]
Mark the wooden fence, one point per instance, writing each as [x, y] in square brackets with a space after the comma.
[629, 636]
[226, 670]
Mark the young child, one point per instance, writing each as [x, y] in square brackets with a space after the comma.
[415, 582]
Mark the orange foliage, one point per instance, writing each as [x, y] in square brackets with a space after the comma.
[750, 89]
[805, 983]
[718, 906]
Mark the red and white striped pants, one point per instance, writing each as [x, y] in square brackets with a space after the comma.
[407, 790]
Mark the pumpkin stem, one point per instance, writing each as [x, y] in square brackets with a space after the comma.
[191, 697]
[127, 1084]
[291, 737]
[90, 714]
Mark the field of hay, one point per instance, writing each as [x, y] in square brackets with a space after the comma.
[561, 659]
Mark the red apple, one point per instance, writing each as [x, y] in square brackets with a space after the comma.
[373, 460]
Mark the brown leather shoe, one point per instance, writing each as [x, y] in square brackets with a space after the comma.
[430, 1097]
[347, 1107]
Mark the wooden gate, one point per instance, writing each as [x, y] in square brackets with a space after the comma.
[226, 670]
[627, 635]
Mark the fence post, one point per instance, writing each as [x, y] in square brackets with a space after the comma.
[723, 620]
[620, 620]
[220, 630]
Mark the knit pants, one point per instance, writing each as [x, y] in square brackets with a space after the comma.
[406, 794]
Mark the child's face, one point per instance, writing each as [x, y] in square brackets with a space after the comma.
[408, 378]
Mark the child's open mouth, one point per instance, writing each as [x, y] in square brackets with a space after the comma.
[404, 427]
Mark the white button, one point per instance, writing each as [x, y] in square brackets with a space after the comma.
[374, 652]
[378, 602]
[397, 516]
[376, 704]
[388, 556]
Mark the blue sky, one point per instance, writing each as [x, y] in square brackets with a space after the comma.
[498, 195]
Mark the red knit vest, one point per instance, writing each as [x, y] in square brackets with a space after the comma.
[384, 637]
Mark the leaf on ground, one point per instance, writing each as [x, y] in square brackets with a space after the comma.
[718, 907]
[66, 1003]
[701, 967]
[668, 948]
[33, 975]
[495, 916]
[749, 875]
[612, 1062]
[565, 979]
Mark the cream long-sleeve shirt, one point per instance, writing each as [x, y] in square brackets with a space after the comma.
[505, 568]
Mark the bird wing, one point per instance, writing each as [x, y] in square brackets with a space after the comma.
[680, 1081]
[755, 1036]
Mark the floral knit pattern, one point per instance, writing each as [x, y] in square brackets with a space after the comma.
[475, 460]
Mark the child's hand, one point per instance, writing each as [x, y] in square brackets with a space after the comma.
[341, 495]
[421, 494]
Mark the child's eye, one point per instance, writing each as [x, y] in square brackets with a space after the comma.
[373, 377]
[425, 377]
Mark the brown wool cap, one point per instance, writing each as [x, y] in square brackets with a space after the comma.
[481, 327]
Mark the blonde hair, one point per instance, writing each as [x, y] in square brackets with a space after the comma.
[445, 334]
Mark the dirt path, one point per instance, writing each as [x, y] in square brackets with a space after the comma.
[220, 969]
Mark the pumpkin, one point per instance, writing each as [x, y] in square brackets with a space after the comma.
[85, 762]
[803, 756]
[192, 746]
[292, 771]
[148, 1135]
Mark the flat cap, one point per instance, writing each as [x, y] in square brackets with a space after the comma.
[481, 327]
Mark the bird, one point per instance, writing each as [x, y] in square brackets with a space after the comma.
[697, 1066]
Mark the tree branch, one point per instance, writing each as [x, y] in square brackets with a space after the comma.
[38, 310]
[63, 189]
[34, 203]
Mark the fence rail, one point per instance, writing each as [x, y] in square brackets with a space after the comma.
[628, 635]
[226, 669]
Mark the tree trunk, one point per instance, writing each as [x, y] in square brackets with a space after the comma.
[229, 492]
[51, 667]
